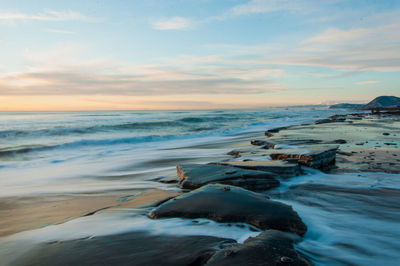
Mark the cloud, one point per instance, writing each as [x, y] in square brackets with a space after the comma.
[60, 31]
[367, 82]
[174, 23]
[78, 83]
[336, 36]
[265, 6]
[48, 15]
[65, 71]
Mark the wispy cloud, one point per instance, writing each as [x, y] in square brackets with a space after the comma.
[367, 82]
[174, 23]
[48, 15]
[60, 31]
[62, 71]
[265, 6]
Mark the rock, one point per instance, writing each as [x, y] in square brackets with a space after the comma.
[193, 176]
[280, 168]
[132, 248]
[168, 180]
[271, 247]
[220, 204]
[275, 130]
[268, 134]
[257, 142]
[319, 157]
[331, 119]
[340, 141]
[385, 134]
[234, 153]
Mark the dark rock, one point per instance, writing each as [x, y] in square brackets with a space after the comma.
[269, 248]
[276, 130]
[280, 168]
[196, 175]
[319, 157]
[133, 248]
[268, 134]
[340, 141]
[217, 203]
[331, 119]
[257, 142]
[385, 134]
[234, 153]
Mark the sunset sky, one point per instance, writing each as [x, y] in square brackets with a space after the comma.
[196, 54]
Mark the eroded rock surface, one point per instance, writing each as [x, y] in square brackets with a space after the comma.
[319, 157]
[280, 168]
[271, 247]
[223, 203]
[193, 176]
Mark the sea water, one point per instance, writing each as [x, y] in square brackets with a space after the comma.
[352, 218]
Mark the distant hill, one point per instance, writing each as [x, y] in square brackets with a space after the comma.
[346, 106]
[383, 102]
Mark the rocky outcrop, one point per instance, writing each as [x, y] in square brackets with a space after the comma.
[223, 203]
[319, 157]
[280, 168]
[269, 248]
[130, 248]
[193, 176]
[331, 119]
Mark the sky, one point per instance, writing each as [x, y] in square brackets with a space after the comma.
[196, 54]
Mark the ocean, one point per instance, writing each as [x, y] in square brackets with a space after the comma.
[54, 153]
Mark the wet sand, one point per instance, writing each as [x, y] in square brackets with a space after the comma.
[19, 214]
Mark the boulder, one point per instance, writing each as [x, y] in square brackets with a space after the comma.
[271, 247]
[223, 203]
[319, 157]
[193, 176]
[130, 248]
[280, 168]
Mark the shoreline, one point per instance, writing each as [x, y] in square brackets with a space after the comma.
[349, 158]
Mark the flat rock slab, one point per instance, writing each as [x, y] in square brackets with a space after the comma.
[224, 203]
[133, 248]
[193, 176]
[281, 168]
[319, 157]
[271, 247]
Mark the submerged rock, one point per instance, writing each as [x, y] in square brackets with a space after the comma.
[232, 204]
[319, 157]
[197, 175]
[280, 168]
[271, 247]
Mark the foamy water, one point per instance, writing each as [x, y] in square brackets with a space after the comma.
[55, 152]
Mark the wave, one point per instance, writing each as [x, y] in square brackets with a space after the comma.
[186, 123]
[95, 142]
[89, 129]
